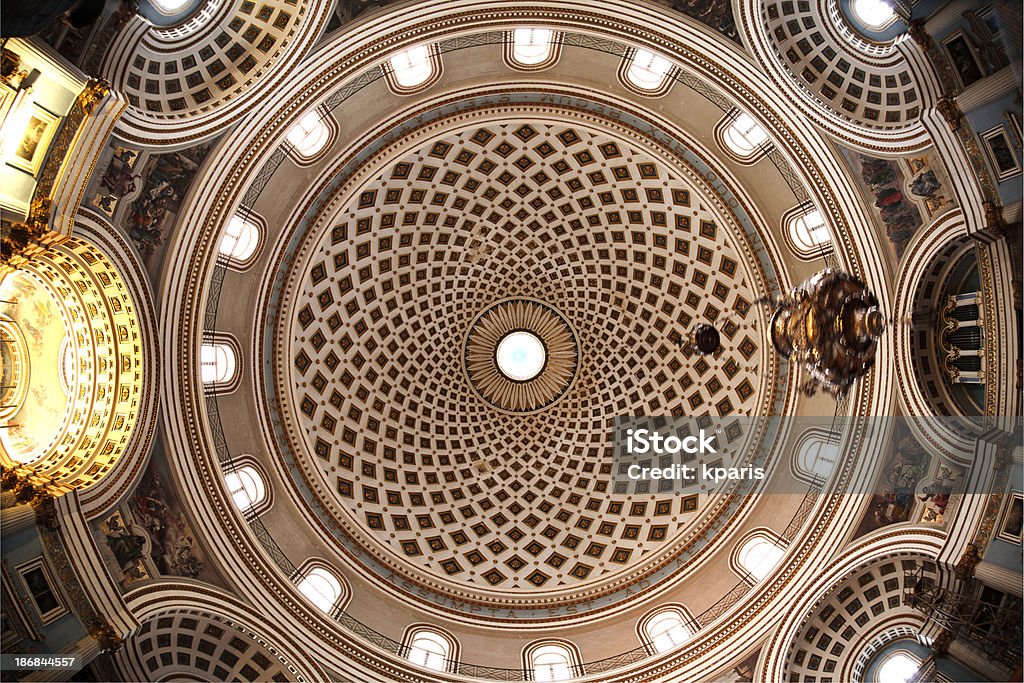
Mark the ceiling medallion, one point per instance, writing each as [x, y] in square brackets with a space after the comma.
[520, 355]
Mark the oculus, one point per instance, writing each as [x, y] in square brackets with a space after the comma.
[521, 355]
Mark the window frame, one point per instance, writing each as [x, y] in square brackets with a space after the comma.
[740, 549]
[331, 132]
[747, 158]
[433, 59]
[550, 59]
[40, 564]
[789, 227]
[221, 387]
[574, 662]
[686, 621]
[626, 67]
[450, 659]
[317, 565]
[808, 437]
[247, 217]
[247, 461]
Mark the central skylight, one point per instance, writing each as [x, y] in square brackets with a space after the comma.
[521, 356]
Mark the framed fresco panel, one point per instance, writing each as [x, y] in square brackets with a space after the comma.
[1009, 527]
[28, 154]
[45, 596]
[961, 57]
[1001, 154]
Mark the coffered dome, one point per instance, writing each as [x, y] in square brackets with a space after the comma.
[577, 233]
[367, 304]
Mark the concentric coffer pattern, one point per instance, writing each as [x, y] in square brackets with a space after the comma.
[560, 349]
[422, 469]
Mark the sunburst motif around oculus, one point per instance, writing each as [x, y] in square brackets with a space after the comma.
[495, 381]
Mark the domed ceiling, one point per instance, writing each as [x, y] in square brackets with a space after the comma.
[444, 468]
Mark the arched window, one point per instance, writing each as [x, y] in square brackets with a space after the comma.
[431, 648]
[742, 137]
[874, 14]
[552, 661]
[532, 48]
[218, 364]
[413, 69]
[322, 588]
[646, 72]
[816, 457]
[665, 628]
[310, 136]
[806, 231]
[241, 238]
[757, 556]
[898, 667]
[170, 7]
[248, 488]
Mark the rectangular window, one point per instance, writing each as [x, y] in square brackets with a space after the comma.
[44, 596]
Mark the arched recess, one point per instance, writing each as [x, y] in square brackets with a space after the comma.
[860, 121]
[248, 485]
[815, 456]
[923, 543]
[757, 554]
[742, 138]
[532, 48]
[945, 435]
[97, 288]
[646, 72]
[241, 64]
[168, 606]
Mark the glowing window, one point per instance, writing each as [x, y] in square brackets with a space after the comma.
[247, 487]
[217, 362]
[817, 457]
[240, 240]
[412, 67]
[321, 588]
[897, 668]
[170, 7]
[647, 71]
[744, 136]
[430, 650]
[309, 135]
[759, 556]
[532, 46]
[666, 630]
[873, 13]
[551, 663]
[808, 230]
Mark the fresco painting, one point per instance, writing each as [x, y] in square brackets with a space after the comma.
[148, 535]
[142, 193]
[913, 486]
[904, 193]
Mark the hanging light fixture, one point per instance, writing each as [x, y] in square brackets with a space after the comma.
[830, 324]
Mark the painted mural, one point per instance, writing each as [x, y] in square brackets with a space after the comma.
[149, 536]
[904, 193]
[716, 14]
[745, 671]
[913, 486]
[142, 193]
